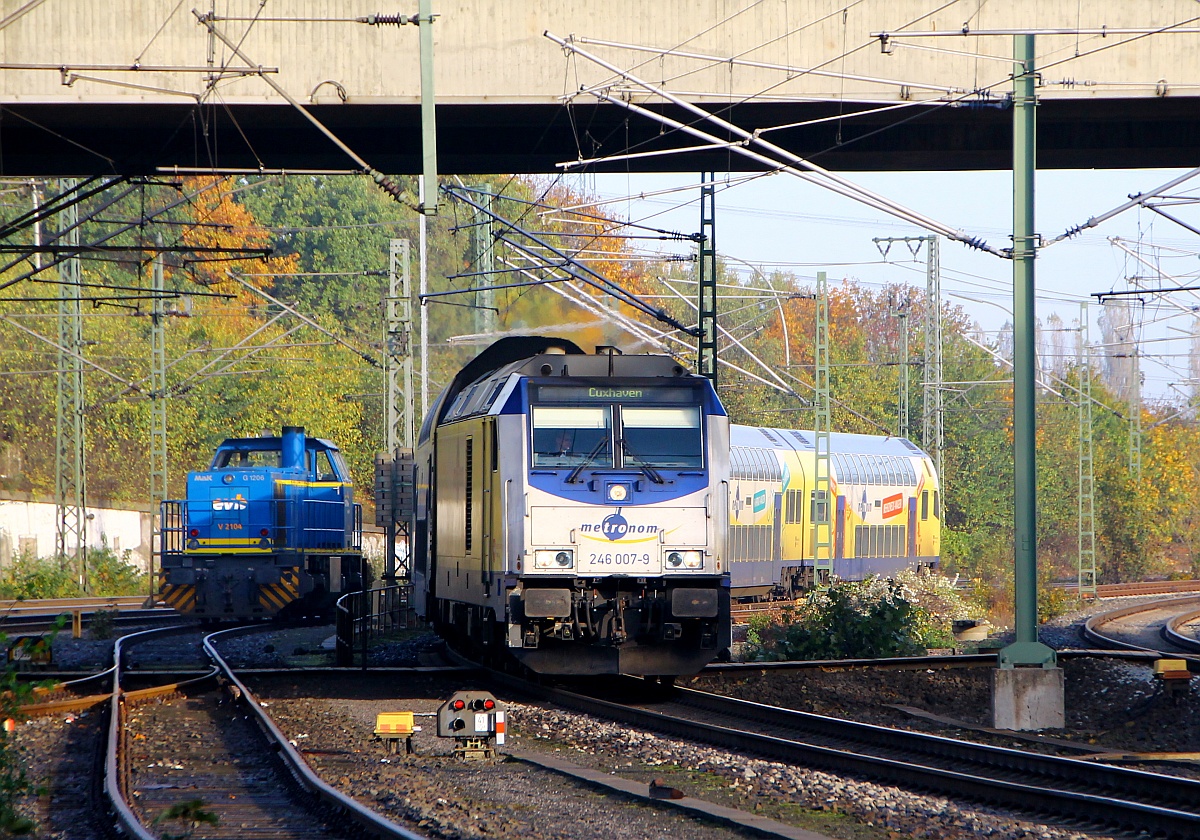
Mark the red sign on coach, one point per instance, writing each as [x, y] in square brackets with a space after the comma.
[893, 506]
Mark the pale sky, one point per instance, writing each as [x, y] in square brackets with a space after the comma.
[781, 221]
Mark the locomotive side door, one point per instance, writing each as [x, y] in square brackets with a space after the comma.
[490, 506]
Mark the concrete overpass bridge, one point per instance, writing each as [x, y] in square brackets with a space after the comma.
[134, 86]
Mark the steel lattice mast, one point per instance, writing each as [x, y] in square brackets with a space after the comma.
[70, 479]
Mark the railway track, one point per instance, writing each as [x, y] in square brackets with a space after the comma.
[182, 742]
[1174, 633]
[742, 613]
[1042, 786]
[1148, 627]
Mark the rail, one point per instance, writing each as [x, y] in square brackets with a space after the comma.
[369, 614]
[1172, 633]
[1095, 793]
[303, 774]
[1091, 629]
[116, 762]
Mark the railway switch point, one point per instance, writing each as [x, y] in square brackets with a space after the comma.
[475, 721]
[394, 727]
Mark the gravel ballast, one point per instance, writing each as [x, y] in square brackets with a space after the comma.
[1111, 703]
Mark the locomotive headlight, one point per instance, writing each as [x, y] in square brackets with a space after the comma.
[618, 492]
[554, 558]
[685, 559]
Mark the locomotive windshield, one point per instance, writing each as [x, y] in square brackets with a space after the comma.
[568, 437]
[628, 431]
[662, 437]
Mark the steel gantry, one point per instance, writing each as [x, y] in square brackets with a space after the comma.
[706, 349]
[398, 360]
[822, 499]
[158, 384]
[933, 429]
[1135, 410]
[395, 481]
[483, 247]
[70, 477]
[905, 374]
[1087, 473]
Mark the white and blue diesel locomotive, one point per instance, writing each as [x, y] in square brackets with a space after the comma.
[572, 511]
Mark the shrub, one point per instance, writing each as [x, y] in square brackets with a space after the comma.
[847, 620]
[110, 574]
[868, 619]
[31, 577]
[103, 624]
[56, 577]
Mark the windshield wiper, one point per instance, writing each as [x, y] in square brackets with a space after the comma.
[591, 456]
[649, 471]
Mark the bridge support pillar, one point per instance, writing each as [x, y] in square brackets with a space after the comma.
[1028, 698]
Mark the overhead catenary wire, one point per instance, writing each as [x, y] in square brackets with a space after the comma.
[807, 170]
[577, 269]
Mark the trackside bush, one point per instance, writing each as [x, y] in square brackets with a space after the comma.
[55, 577]
[869, 619]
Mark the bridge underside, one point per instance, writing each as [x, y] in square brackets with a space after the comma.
[96, 138]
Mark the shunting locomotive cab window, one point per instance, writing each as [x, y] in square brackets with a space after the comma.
[663, 437]
[568, 437]
[325, 471]
[235, 460]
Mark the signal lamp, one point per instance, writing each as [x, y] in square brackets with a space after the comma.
[685, 559]
[458, 723]
[458, 705]
[551, 558]
[195, 532]
[488, 705]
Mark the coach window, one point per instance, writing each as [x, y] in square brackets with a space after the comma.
[924, 505]
[568, 437]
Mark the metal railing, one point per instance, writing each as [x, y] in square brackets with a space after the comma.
[314, 524]
[367, 615]
[172, 528]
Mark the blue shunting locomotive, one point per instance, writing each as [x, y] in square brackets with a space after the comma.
[269, 528]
